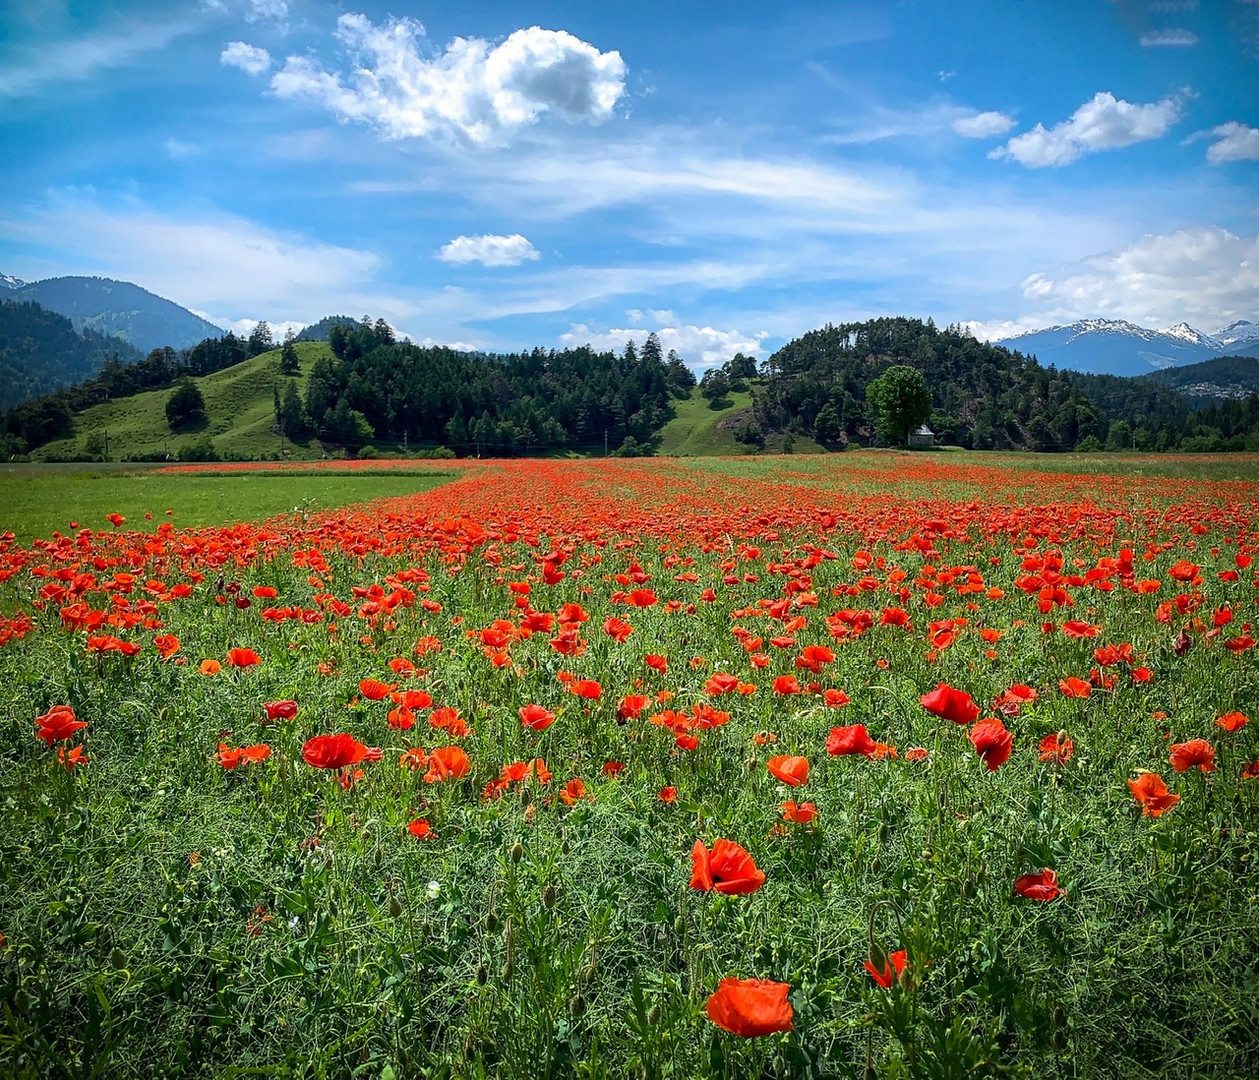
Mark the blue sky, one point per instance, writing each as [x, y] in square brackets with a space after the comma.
[503, 175]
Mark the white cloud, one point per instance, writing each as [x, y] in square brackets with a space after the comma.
[266, 9]
[249, 58]
[217, 262]
[701, 347]
[1177, 37]
[488, 250]
[983, 125]
[1236, 142]
[81, 58]
[474, 92]
[1104, 123]
[1204, 276]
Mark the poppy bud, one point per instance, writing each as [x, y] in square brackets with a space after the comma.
[117, 958]
[517, 852]
[565, 847]
[492, 923]
[548, 897]
[882, 832]
[577, 1006]
[927, 855]
[653, 1015]
[482, 975]
[679, 925]
[395, 906]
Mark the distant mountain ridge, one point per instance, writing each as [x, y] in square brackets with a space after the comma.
[116, 309]
[1118, 347]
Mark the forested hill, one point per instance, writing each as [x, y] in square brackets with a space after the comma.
[983, 396]
[490, 404]
[40, 351]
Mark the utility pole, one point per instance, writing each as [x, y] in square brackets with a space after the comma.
[605, 442]
[107, 444]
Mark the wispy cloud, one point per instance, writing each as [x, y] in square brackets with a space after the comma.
[1102, 123]
[82, 58]
[473, 92]
[217, 262]
[1234, 142]
[983, 125]
[1173, 37]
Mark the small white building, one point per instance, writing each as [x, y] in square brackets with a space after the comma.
[922, 436]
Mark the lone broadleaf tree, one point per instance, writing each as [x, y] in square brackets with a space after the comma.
[900, 401]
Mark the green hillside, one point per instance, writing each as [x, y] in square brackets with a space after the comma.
[698, 430]
[239, 403]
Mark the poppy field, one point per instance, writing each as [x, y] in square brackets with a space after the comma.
[866, 765]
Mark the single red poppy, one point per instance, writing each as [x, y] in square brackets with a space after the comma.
[575, 789]
[950, 704]
[535, 717]
[588, 689]
[992, 742]
[728, 868]
[1186, 755]
[751, 1007]
[801, 813]
[447, 763]
[280, 710]
[853, 739]
[1151, 794]
[792, 771]
[1232, 721]
[333, 751]
[58, 724]
[242, 658]
[1056, 748]
[1039, 886]
[886, 977]
[375, 690]
[667, 794]
[420, 829]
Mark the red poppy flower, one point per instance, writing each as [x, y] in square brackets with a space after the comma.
[792, 771]
[333, 751]
[836, 699]
[668, 794]
[58, 724]
[950, 704]
[588, 689]
[641, 598]
[728, 868]
[657, 662]
[447, 763]
[420, 829]
[536, 717]
[280, 710]
[1056, 748]
[411, 699]
[1151, 794]
[210, 667]
[786, 684]
[1232, 721]
[1197, 752]
[885, 978]
[375, 690]
[243, 658]
[575, 789]
[1039, 886]
[617, 629]
[850, 740]
[69, 759]
[992, 742]
[801, 813]
[631, 707]
[917, 753]
[750, 1008]
[720, 683]
[1074, 687]
[167, 645]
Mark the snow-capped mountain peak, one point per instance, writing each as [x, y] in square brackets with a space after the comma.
[8, 281]
[1182, 331]
[1241, 332]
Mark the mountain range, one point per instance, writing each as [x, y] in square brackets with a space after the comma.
[1117, 347]
[114, 309]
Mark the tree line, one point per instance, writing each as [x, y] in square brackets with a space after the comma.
[983, 396]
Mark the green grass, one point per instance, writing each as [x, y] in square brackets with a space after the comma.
[40, 499]
[239, 406]
[698, 430]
